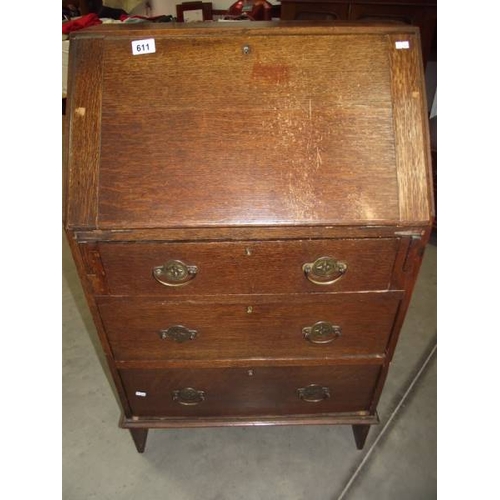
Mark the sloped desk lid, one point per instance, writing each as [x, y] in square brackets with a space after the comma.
[242, 125]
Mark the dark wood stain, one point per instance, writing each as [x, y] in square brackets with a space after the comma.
[225, 268]
[226, 330]
[313, 143]
[398, 13]
[268, 391]
[337, 418]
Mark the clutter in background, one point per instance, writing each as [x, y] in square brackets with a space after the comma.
[80, 22]
[250, 10]
[107, 11]
[120, 11]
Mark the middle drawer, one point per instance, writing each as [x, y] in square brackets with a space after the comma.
[249, 327]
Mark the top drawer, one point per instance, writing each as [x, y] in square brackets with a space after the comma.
[248, 267]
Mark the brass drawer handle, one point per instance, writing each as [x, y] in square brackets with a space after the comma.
[324, 271]
[178, 333]
[174, 273]
[313, 393]
[188, 396]
[322, 332]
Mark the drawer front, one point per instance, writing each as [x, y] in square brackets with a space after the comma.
[242, 327]
[251, 267]
[250, 391]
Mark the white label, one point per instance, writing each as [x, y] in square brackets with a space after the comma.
[140, 47]
[140, 394]
[404, 44]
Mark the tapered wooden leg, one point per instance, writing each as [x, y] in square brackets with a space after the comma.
[139, 436]
[360, 434]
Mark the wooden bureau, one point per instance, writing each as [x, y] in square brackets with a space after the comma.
[247, 207]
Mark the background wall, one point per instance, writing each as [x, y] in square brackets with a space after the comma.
[167, 7]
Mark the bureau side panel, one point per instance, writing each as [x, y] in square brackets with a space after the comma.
[86, 259]
[412, 249]
[408, 262]
[84, 116]
[411, 131]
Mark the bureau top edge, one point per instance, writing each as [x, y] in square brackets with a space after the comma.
[258, 28]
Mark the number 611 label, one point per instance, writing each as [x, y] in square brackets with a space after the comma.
[143, 46]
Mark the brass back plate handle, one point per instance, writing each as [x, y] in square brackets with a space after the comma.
[313, 393]
[178, 333]
[188, 396]
[324, 271]
[322, 332]
[174, 273]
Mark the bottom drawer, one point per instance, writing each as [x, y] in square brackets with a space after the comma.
[260, 391]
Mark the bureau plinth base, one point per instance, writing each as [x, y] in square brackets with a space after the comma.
[139, 426]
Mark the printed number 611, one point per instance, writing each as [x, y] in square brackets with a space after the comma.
[143, 47]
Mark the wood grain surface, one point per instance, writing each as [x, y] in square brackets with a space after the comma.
[249, 233]
[84, 114]
[85, 272]
[337, 418]
[297, 131]
[254, 268]
[411, 130]
[247, 150]
[242, 328]
[266, 391]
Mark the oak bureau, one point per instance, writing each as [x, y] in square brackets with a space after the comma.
[247, 205]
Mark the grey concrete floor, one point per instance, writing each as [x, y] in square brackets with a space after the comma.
[266, 463]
